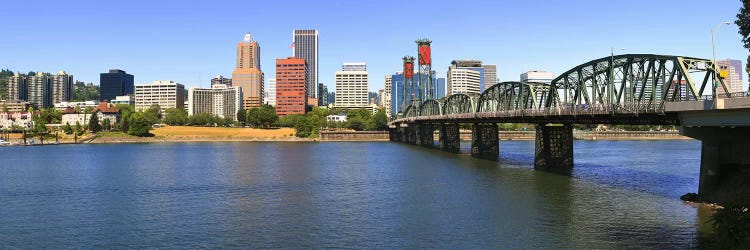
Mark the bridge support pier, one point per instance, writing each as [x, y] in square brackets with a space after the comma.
[425, 135]
[554, 147]
[411, 134]
[484, 141]
[450, 137]
[725, 163]
[393, 134]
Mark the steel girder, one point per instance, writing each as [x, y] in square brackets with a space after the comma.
[460, 103]
[513, 96]
[632, 83]
[412, 111]
[430, 107]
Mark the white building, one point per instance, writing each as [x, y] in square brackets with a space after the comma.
[123, 99]
[352, 86]
[466, 81]
[167, 94]
[220, 100]
[271, 99]
[19, 119]
[537, 76]
[336, 118]
[82, 105]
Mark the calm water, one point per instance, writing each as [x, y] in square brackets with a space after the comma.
[363, 195]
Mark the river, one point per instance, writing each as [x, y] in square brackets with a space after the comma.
[621, 194]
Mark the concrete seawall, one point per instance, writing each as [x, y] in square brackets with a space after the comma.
[513, 135]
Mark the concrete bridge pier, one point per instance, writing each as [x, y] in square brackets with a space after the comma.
[393, 134]
[450, 137]
[425, 134]
[411, 133]
[484, 141]
[725, 163]
[554, 147]
[403, 133]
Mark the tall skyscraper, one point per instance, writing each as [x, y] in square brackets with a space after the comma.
[537, 76]
[248, 74]
[352, 86]
[397, 98]
[490, 75]
[291, 87]
[271, 100]
[220, 80]
[18, 88]
[115, 83]
[62, 87]
[322, 95]
[734, 78]
[306, 47]
[440, 88]
[388, 95]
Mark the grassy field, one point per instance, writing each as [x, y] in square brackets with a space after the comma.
[199, 133]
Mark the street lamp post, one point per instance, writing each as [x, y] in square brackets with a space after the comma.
[611, 85]
[713, 62]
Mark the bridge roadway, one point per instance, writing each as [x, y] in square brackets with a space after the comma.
[628, 89]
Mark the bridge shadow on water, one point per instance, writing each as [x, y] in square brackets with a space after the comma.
[623, 199]
[606, 166]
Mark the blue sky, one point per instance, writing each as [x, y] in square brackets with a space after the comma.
[190, 42]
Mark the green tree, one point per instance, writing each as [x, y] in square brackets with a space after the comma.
[78, 129]
[140, 126]
[176, 116]
[40, 126]
[106, 124]
[743, 23]
[153, 114]
[303, 127]
[68, 129]
[242, 116]
[94, 125]
[5, 109]
[380, 120]
[126, 111]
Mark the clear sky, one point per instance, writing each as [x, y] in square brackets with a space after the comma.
[192, 41]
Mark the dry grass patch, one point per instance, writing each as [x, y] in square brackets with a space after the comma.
[212, 132]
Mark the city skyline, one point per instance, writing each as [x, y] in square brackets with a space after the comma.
[514, 46]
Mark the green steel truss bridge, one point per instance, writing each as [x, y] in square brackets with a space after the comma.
[638, 89]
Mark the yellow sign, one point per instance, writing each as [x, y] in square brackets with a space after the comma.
[723, 73]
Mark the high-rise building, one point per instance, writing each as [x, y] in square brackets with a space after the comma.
[306, 47]
[167, 94]
[490, 75]
[352, 86]
[291, 87]
[537, 76]
[115, 83]
[440, 88]
[41, 90]
[466, 81]
[219, 100]
[387, 105]
[18, 88]
[322, 95]
[248, 74]
[381, 98]
[220, 80]
[271, 93]
[733, 81]
[465, 76]
[62, 87]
